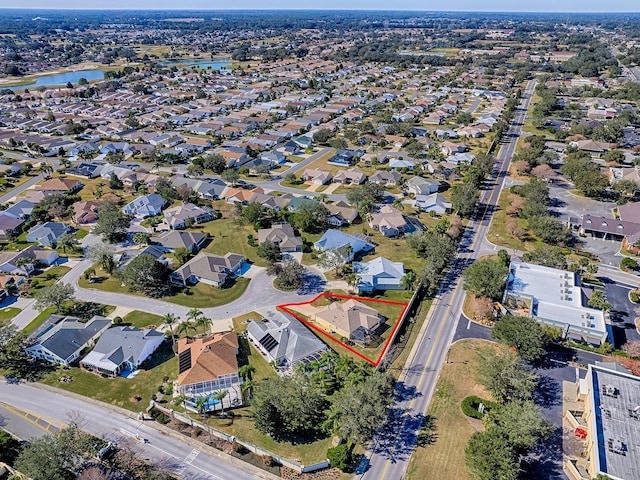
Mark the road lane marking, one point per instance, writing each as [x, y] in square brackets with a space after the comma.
[454, 296]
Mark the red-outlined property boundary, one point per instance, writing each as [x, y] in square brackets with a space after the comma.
[322, 332]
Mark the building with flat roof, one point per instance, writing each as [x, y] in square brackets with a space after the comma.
[612, 415]
[554, 297]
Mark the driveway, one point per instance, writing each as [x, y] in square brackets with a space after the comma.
[623, 313]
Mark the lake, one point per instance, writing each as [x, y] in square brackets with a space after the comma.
[207, 64]
[62, 79]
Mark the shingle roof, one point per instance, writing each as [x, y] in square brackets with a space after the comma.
[211, 357]
[70, 334]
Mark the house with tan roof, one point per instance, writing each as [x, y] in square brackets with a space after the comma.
[281, 234]
[388, 220]
[208, 268]
[318, 177]
[85, 212]
[183, 215]
[341, 213]
[207, 365]
[351, 319]
[59, 185]
[351, 176]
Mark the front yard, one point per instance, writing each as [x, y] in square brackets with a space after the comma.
[120, 391]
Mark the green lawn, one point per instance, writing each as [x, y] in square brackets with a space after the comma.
[228, 236]
[199, 295]
[7, 313]
[142, 319]
[48, 277]
[120, 391]
[444, 458]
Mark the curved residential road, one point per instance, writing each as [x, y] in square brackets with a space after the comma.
[259, 295]
[184, 457]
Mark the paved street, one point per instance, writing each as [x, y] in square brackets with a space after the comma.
[184, 458]
[391, 448]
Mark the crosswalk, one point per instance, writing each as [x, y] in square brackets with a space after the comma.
[187, 461]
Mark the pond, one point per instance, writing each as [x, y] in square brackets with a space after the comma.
[206, 64]
[62, 79]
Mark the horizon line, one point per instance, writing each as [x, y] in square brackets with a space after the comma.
[124, 9]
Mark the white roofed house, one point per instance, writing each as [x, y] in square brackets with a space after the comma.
[422, 186]
[145, 206]
[122, 348]
[379, 274]
[433, 203]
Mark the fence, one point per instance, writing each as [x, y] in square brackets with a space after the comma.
[249, 446]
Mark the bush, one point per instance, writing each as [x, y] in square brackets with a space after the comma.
[340, 456]
[634, 296]
[117, 320]
[471, 404]
[628, 264]
[158, 416]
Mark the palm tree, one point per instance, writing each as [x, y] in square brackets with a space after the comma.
[46, 169]
[219, 395]
[325, 381]
[194, 314]
[180, 399]
[201, 403]
[169, 319]
[246, 372]
[184, 328]
[333, 421]
[353, 280]
[203, 322]
[408, 280]
[247, 389]
[65, 240]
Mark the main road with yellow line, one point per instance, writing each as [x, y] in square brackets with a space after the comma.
[388, 455]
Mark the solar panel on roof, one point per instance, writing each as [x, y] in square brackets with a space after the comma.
[184, 361]
[268, 342]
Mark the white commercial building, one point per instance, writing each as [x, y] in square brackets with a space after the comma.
[554, 297]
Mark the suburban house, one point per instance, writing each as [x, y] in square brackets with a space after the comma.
[65, 337]
[59, 185]
[604, 416]
[85, 212]
[340, 213]
[181, 216]
[555, 298]
[337, 240]
[433, 203]
[11, 263]
[145, 206]
[208, 268]
[22, 209]
[122, 348]
[351, 319]
[345, 158]
[285, 342]
[283, 235]
[47, 234]
[10, 226]
[382, 177]
[351, 176]
[401, 163]
[125, 257]
[389, 221]
[83, 169]
[172, 239]
[379, 274]
[422, 186]
[625, 231]
[318, 177]
[207, 365]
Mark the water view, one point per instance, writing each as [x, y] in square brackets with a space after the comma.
[62, 79]
[206, 64]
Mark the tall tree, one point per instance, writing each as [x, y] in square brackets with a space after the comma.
[112, 224]
[506, 376]
[54, 296]
[486, 278]
[524, 334]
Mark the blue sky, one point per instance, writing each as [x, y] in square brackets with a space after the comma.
[449, 5]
